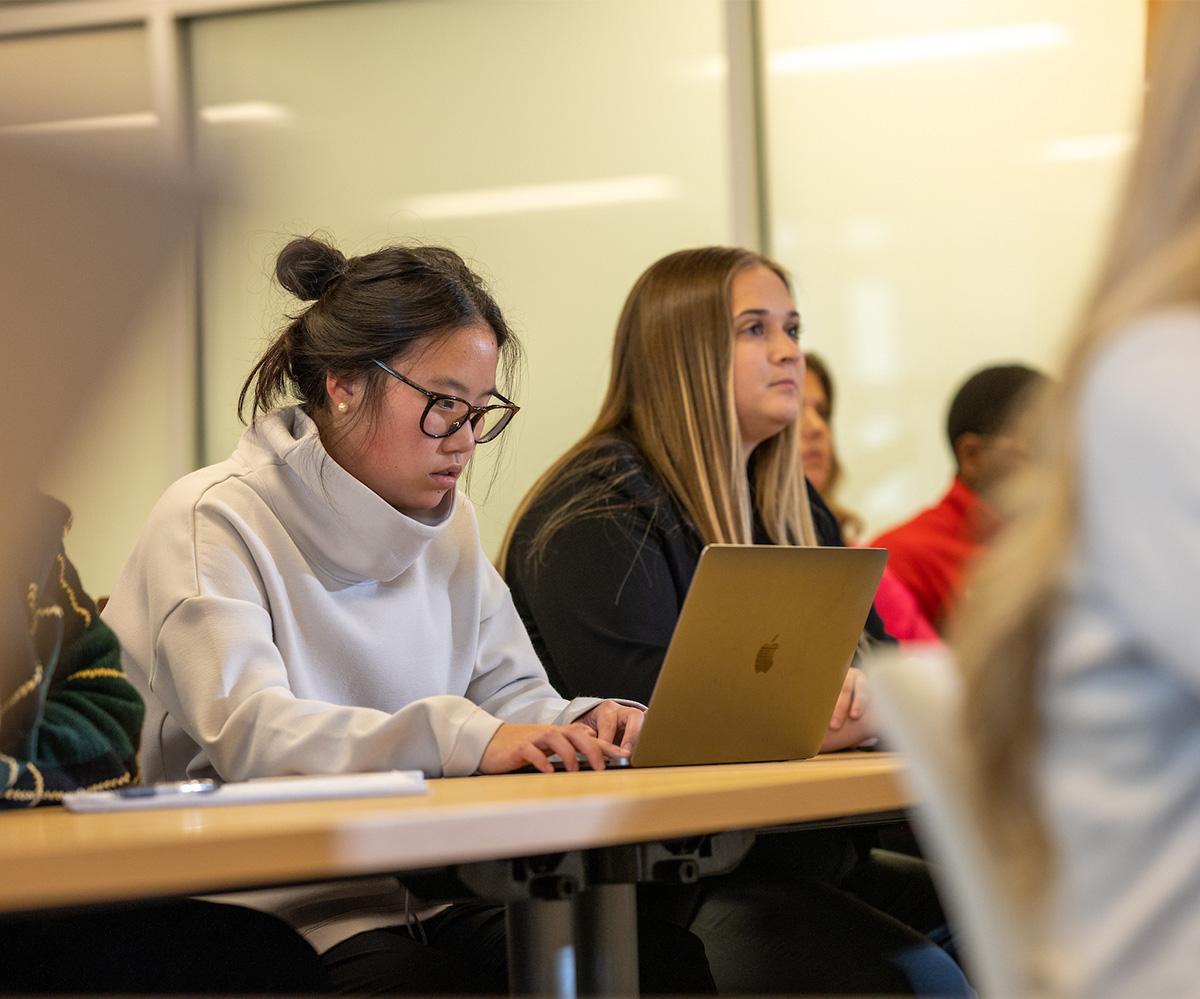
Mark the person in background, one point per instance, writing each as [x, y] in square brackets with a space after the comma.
[1083, 678]
[69, 718]
[896, 605]
[821, 464]
[696, 442]
[932, 552]
[320, 603]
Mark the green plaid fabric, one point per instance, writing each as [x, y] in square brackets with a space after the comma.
[75, 720]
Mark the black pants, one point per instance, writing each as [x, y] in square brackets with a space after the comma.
[173, 947]
[812, 913]
[463, 951]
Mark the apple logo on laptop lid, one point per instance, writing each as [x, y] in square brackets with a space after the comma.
[766, 655]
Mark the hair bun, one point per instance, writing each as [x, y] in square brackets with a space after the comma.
[307, 265]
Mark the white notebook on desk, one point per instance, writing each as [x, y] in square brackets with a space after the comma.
[207, 794]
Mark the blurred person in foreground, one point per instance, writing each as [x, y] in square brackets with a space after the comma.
[1083, 674]
[69, 719]
[893, 600]
[988, 436]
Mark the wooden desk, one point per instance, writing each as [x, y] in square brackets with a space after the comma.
[53, 858]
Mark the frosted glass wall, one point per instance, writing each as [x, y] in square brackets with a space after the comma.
[560, 147]
[88, 93]
[940, 176]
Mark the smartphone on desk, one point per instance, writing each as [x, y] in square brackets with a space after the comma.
[167, 789]
[136, 797]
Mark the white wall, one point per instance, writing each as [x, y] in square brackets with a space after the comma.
[560, 147]
[938, 176]
[941, 175]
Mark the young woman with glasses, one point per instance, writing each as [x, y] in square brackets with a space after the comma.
[697, 441]
[320, 603]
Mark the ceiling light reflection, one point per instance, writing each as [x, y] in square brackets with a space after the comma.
[94, 123]
[1102, 146]
[916, 48]
[245, 111]
[872, 319]
[523, 198]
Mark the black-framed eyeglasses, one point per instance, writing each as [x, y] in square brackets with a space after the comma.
[445, 414]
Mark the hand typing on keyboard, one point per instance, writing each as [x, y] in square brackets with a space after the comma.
[610, 762]
[591, 737]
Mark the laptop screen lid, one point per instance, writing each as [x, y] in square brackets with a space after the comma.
[759, 653]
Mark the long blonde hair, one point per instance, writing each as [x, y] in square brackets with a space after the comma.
[670, 394]
[1152, 262]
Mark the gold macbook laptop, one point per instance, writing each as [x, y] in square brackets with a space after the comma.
[759, 654]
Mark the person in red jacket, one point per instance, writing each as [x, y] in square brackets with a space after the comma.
[898, 608]
[932, 552]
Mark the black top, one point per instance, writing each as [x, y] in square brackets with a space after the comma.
[601, 601]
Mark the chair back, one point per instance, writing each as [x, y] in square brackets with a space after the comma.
[918, 694]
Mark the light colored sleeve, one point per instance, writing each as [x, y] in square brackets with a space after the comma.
[219, 674]
[1139, 485]
[509, 680]
[222, 679]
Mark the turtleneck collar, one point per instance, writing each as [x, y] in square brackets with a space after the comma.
[343, 527]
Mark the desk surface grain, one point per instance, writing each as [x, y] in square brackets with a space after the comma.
[53, 858]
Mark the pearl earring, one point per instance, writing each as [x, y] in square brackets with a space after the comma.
[342, 407]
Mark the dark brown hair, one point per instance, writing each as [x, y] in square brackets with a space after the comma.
[376, 306]
[988, 401]
[849, 521]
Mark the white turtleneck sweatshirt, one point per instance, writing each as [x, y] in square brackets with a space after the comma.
[279, 617]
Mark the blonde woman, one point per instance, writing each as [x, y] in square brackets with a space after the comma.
[1084, 675]
[697, 442]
